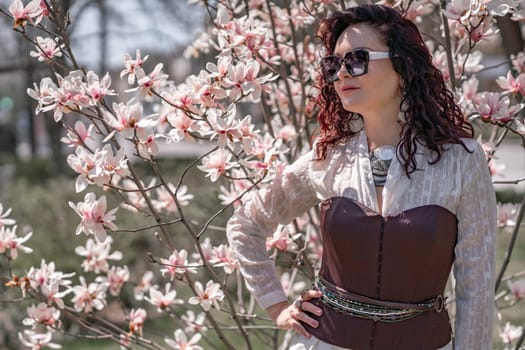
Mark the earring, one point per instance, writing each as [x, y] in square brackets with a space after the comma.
[401, 118]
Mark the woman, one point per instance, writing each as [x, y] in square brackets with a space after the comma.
[405, 192]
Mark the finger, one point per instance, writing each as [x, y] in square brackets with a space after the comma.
[309, 307]
[300, 329]
[301, 316]
[311, 294]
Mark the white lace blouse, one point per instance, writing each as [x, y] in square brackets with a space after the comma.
[459, 182]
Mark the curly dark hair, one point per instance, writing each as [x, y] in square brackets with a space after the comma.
[432, 117]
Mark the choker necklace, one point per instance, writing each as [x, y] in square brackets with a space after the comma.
[380, 159]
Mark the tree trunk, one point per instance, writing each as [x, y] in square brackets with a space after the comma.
[511, 36]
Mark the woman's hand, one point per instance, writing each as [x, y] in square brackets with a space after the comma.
[287, 315]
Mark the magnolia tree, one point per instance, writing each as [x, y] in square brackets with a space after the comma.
[265, 56]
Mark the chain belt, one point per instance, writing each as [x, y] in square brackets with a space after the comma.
[373, 309]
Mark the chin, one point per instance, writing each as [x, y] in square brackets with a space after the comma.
[353, 108]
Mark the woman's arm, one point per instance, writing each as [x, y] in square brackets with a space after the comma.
[475, 254]
[289, 195]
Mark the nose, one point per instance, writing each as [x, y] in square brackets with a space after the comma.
[343, 72]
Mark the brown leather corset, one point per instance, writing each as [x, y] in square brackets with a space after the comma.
[403, 258]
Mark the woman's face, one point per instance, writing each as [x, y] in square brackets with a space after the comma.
[375, 91]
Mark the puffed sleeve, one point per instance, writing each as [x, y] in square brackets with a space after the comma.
[475, 254]
[289, 195]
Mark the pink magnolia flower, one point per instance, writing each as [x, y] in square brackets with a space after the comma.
[89, 297]
[44, 94]
[98, 89]
[467, 64]
[133, 67]
[166, 201]
[207, 297]
[136, 320]
[518, 60]
[463, 10]
[183, 96]
[181, 341]
[42, 314]
[231, 194]
[79, 135]
[46, 274]
[10, 241]
[206, 93]
[153, 81]
[83, 162]
[262, 167]
[32, 12]
[115, 279]
[243, 81]
[494, 108]
[50, 282]
[469, 93]
[194, 324]
[147, 146]
[220, 70]
[223, 257]
[52, 293]
[4, 220]
[201, 44]
[248, 134]
[224, 127]
[176, 263]
[144, 285]
[483, 30]
[207, 251]
[517, 288]
[70, 96]
[109, 165]
[510, 333]
[46, 49]
[287, 133]
[414, 9]
[512, 85]
[282, 240]
[95, 220]
[163, 300]
[44, 8]
[97, 255]
[125, 118]
[507, 214]
[134, 199]
[37, 341]
[216, 164]
[183, 127]
[520, 127]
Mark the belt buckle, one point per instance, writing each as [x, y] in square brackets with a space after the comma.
[439, 303]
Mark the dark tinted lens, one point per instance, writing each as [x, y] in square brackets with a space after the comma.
[330, 66]
[356, 62]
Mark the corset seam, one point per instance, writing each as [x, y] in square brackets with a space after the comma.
[378, 284]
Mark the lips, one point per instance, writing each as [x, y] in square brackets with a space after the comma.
[349, 88]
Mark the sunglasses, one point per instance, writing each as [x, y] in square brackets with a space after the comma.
[356, 63]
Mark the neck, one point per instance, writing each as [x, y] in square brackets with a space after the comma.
[382, 129]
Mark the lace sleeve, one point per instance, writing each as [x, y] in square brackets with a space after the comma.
[289, 195]
[475, 255]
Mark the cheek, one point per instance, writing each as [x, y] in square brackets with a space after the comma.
[337, 87]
